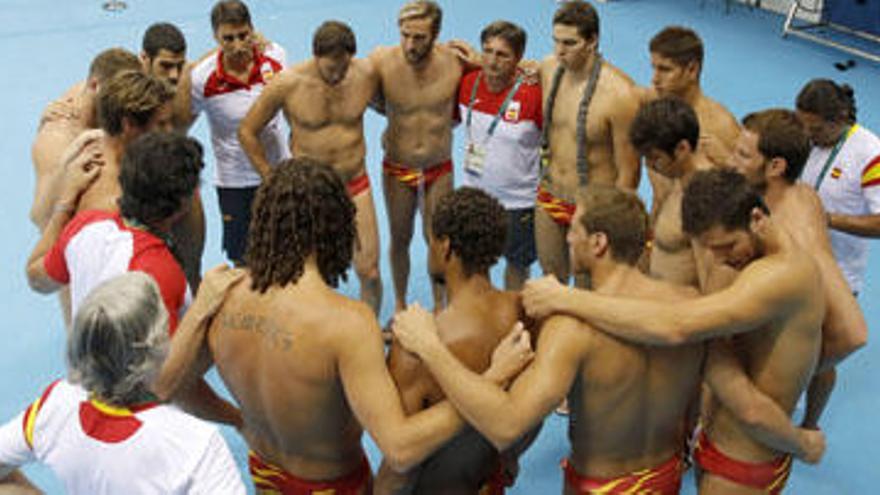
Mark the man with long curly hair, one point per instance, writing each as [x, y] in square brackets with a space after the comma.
[306, 364]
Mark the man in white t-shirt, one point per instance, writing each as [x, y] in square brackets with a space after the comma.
[101, 430]
[502, 116]
[225, 86]
[844, 169]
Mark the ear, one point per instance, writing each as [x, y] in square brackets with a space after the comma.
[758, 220]
[692, 69]
[445, 248]
[683, 147]
[599, 244]
[145, 62]
[776, 167]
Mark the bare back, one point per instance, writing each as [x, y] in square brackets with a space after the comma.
[327, 121]
[801, 213]
[471, 329]
[419, 105]
[629, 402]
[780, 358]
[275, 352]
[609, 153]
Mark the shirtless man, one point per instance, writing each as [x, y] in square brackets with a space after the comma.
[776, 303]
[285, 320]
[419, 88]
[677, 62]
[64, 120]
[582, 146]
[628, 402]
[163, 52]
[467, 238]
[666, 133]
[771, 152]
[324, 99]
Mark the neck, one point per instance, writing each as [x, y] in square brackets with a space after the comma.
[607, 276]
[691, 95]
[776, 189]
[583, 72]
[311, 274]
[424, 62]
[459, 285]
[114, 146]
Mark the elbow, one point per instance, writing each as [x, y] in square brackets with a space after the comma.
[750, 415]
[400, 457]
[504, 439]
[38, 283]
[245, 133]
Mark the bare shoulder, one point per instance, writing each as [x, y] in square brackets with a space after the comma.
[381, 55]
[715, 116]
[351, 322]
[807, 197]
[618, 76]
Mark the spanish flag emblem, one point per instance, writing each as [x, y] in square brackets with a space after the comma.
[836, 172]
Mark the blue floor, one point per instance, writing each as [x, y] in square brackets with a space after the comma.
[48, 44]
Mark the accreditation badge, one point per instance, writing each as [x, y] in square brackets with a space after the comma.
[513, 111]
[474, 159]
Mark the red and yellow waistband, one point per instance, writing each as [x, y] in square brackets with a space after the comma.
[561, 211]
[412, 177]
[768, 476]
[269, 478]
[664, 479]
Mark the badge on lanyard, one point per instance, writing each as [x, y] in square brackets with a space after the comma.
[513, 111]
[474, 159]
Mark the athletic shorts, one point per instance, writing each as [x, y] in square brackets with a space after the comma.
[235, 209]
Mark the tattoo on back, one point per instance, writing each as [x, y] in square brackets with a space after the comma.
[260, 325]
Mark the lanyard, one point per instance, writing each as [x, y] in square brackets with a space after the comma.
[833, 155]
[501, 110]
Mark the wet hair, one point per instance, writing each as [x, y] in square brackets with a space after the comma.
[579, 14]
[680, 44]
[130, 95]
[232, 12]
[512, 34]
[475, 224]
[163, 36]
[158, 173]
[422, 9]
[827, 99]
[662, 124]
[719, 197]
[333, 38]
[111, 62]
[119, 339]
[620, 215]
[303, 209]
[781, 135]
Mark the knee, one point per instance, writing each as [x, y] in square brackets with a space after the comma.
[367, 271]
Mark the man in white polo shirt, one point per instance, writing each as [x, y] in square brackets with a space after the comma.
[502, 116]
[225, 86]
[844, 169]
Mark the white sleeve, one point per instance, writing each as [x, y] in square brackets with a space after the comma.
[14, 450]
[196, 93]
[216, 472]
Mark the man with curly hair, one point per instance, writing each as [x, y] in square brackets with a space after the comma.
[158, 176]
[306, 364]
[467, 239]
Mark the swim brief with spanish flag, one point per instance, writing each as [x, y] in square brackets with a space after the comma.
[767, 476]
[413, 177]
[664, 479]
[560, 211]
[271, 479]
